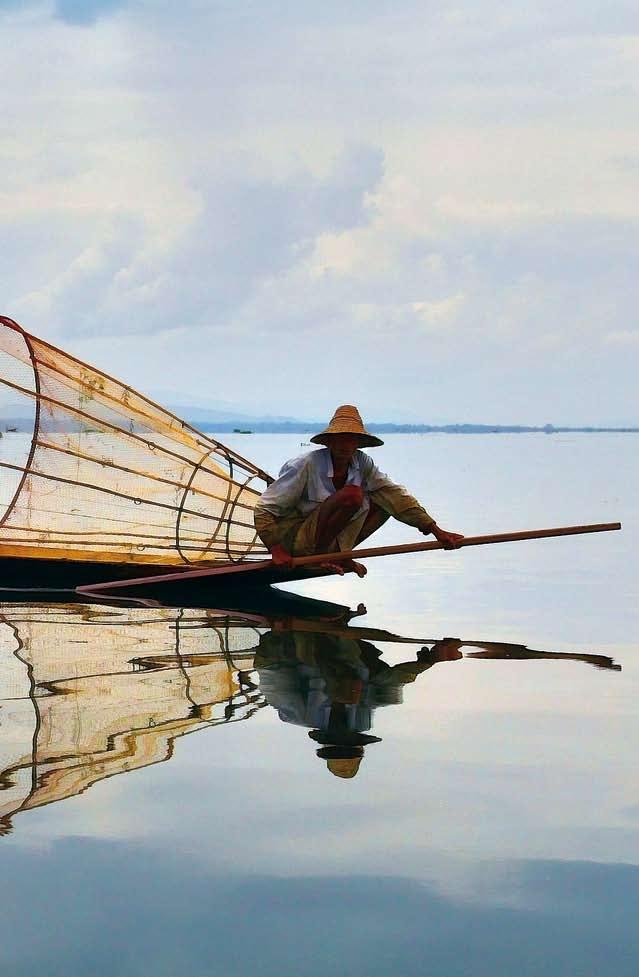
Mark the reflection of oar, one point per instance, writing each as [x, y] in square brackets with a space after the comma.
[319, 558]
[491, 650]
[521, 653]
[342, 631]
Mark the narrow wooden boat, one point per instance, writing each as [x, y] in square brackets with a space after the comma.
[56, 580]
[108, 486]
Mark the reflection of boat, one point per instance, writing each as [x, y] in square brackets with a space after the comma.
[90, 691]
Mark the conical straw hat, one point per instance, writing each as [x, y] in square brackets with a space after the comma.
[347, 420]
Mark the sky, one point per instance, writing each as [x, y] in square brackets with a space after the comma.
[426, 209]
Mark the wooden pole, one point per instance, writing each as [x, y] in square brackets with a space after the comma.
[467, 541]
[319, 558]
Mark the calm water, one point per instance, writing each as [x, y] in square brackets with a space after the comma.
[468, 807]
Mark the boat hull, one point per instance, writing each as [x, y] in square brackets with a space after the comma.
[56, 580]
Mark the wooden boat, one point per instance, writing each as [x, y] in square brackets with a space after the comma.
[108, 486]
[58, 580]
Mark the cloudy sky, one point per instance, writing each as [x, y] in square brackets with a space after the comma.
[428, 209]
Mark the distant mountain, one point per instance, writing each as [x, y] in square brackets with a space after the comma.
[211, 415]
[276, 426]
[20, 424]
[225, 419]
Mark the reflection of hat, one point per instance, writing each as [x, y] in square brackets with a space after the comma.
[342, 738]
[347, 420]
[342, 761]
[343, 750]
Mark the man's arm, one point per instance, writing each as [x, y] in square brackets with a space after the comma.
[400, 504]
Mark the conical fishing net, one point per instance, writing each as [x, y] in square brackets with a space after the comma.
[92, 470]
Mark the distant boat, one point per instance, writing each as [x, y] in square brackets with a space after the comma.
[7, 428]
[240, 430]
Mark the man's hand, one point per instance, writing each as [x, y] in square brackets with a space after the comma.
[450, 541]
[281, 557]
[446, 650]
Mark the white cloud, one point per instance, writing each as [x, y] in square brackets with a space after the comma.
[623, 337]
[439, 314]
[336, 178]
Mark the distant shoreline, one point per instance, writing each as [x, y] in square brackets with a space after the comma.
[293, 428]
[23, 425]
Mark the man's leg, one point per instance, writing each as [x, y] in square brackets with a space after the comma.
[376, 517]
[334, 515]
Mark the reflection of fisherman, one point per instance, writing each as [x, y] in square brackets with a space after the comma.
[332, 685]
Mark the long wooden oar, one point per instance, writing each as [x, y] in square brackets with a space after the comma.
[318, 558]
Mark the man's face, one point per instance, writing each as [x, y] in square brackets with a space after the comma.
[343, 447]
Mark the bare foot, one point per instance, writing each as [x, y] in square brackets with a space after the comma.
[281, 557]
[333, 567]
[358, 568]
[345, 566]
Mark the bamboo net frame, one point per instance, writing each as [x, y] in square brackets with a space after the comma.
[107, 475]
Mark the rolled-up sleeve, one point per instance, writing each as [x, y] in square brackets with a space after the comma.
[395, 499]
[284, 493]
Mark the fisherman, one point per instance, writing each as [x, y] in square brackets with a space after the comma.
[331, 500]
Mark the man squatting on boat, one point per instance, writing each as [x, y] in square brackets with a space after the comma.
[332, 500]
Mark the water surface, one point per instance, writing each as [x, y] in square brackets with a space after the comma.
[194, 792]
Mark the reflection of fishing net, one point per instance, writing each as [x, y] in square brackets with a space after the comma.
[103, 474]
[88, 693]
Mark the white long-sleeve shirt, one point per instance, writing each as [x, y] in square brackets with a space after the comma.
[306, 481]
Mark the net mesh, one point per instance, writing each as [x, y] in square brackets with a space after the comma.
[105, 475]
